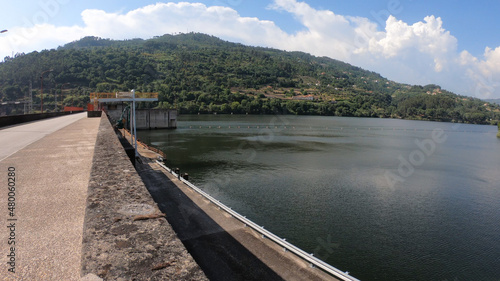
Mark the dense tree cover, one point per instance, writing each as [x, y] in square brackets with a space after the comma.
[197, 73]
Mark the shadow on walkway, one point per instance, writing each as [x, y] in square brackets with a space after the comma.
[219, 255]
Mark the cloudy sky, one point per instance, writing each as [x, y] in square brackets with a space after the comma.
[451, 43]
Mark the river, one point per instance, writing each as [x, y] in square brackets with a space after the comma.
[384, 199]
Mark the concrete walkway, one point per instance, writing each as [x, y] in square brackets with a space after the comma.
[15, 138]
[51, 179]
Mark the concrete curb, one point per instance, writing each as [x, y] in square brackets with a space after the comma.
[116, 244]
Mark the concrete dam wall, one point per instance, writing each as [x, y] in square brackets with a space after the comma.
[146, 118]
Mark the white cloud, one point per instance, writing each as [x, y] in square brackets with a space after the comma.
[145, 22]
[483, 73]
[37, 37]
[418, 53]
[491, 64]
[163, 18]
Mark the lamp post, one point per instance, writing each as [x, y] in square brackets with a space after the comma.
[41, 89]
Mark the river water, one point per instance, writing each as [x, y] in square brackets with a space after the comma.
[383, 199]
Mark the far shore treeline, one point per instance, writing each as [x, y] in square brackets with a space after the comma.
[197, 73]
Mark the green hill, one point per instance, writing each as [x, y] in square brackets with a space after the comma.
[198, 73]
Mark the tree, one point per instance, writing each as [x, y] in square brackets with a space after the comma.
[235, 107]
[12, 93]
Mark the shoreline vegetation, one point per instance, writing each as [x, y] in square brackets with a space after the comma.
[493, 123]
[198, 73]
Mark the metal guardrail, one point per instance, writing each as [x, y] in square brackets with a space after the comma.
[282, 242]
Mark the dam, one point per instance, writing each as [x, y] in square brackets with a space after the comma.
[85, 213]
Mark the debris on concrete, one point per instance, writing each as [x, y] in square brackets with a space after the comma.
[150, 216]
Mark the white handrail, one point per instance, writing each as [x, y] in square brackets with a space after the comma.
[271, 236]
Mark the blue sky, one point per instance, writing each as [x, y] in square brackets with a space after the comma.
[451, 43]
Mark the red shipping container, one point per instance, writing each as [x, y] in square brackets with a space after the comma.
[73, 108]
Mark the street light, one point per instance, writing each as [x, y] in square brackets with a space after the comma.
[41, 89]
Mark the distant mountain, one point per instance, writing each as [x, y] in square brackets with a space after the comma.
[497, 101]
[198, 73]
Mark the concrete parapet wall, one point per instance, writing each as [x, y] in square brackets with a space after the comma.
[125, 235]
[92, 114]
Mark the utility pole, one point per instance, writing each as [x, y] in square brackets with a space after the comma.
[62, 106]
[30, 108]
[26, 105]
[41, 92]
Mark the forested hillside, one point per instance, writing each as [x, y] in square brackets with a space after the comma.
[197, 73]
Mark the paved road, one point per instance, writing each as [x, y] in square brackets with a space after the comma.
[52, 171]
[15, 138]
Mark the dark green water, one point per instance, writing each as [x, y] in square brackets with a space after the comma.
[332, 187]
